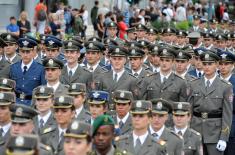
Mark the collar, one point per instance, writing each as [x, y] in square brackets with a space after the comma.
[124, 118]
[111, 151]
[11, 59]
[93, 67]
[155, 69]
[182, 130]
[211, 80]
[142, 137]
[163, 76]
[6, 128]
[159, 132]
[45, 118]
[28, 65]
[72, 69]
[138, 72]
[182, 75]
[78, 110]
[55, 86]
[197, 71]
[119, 74]
[226, 79]
[61, 130]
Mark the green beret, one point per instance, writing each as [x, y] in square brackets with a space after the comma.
[100, 121]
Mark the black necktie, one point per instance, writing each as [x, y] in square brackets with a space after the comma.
[180, 133]
[121, 124]
[207, 85]
[199, 74]
[115, 77]
[41, 123]
[25, 69]
[155, 136]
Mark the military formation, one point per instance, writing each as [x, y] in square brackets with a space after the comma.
[160, 92]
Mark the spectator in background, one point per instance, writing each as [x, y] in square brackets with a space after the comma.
[180, 13]
[62, 23]
[84, 15]
[135, 20]
[13, 28]
[167, 13]
[77, 22]
[55, 25]
[94, 13]
[226, 15]
[105, 9]
[68, 20]
[40, 17]
[100, 26]
[23, 23]
[122, 27]
[141, 16]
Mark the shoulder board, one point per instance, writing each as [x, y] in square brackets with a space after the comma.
[178, 76]
[161, 142]
[120, 152]
[227, 82]
[104, 68]
[85, 69]
[148, 75]
[195, 132]
[132, 75]
[180, 137]
[122, 137]
[47, 130]
[45, 147]
[194, 78]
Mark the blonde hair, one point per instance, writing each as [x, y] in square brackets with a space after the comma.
[23, 13]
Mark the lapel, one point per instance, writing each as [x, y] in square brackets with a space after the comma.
[50, 121]
[187, 136]
[76, 74]
[169, 81]
[147, 144]
[81, 114]
[65, 74]
[55, 139]
[59, 90]
[202, 85]
[121, 79]
[127, 126]
[36, 127]
[110, 81]
[213, 86]
[164, 135]
[130, 143]
[158, 80]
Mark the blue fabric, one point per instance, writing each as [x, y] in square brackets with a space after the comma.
[12, 28]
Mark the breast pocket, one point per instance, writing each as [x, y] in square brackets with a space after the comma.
[196, 96]
[152, 92]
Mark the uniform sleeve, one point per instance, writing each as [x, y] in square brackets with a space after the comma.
[227, 113]
[43, 80]
[180, 147]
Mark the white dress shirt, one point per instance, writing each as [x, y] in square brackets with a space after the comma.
[142, 138]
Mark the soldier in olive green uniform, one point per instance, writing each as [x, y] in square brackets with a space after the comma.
[78, 92]
[103, 136]
[211, 99]
[158, 130]
[7, 85]
[77, 139]
[139, 141]
[3, 63]
[192, 138]
[64, 114]
[112, 31]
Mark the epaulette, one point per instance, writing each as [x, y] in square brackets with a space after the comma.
[47, 130]
[45, 147]
[195, 132]
[161, 142]
[104, 68]
[194, 79]
[132, 75]
[227, 82]
[122, 137]
[177, 135]
[148, 75]
[120, 152]
[179, 76]
[85, 69]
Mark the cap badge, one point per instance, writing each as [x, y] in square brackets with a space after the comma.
[142, 43]
[111, 24]
[42, 90]
[25, 43]
[219, 37]
[19, 141]
[96, 94]
[164, 51]
[224, 56]
[200, 52]
[90, 45]
[155, 48]
[51, 42]
[51, 61]
[139, 26]
[61, 99]
[94, 39]
[180, 54]
[122, 94]
[159, 105]
[108, 40]
[180, 106]
[133, 51]
[132, 45]
[1, 95]
[180, 33]
[151, 30]
[70, 44]
[168, 30]
[138, 104]
[207, 56]
[8, 37]
[228, 35]
[43, 37]
[75, 125]
[4, 81]
[73, 86]
[117, 50]
[19, 111]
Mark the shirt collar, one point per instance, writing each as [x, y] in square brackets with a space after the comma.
[45, 118]
[226, 79]
[182, 130]
[163, 76]
[138, 72]
[61, 130]
[119, 74]
[211, 80]
[6, 128]
[11, 59]
[78, 110]
[124, 118]
[93, 67]
[28, 65]
[72, 69]
[159, 132]
[55, 86]
[142, 137]
[197, 71]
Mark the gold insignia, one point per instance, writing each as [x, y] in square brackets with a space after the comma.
[25, 43]
[138, 104]
[122, 94]
[70, 44]
[180, 106]
[75, 125]
[47, 130]
[1, 95]
[51, 61]
[19, 141]
[4, 81]
[159, 105]
[42, 90]
[161, 142]
[19, 111]
[61, 99]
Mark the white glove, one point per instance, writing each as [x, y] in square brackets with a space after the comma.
[221, 145]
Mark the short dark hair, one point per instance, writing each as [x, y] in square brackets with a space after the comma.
[12, 18]
[96, 2]
[41, 1]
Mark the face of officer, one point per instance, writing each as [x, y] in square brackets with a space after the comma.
[10, 49]
[103, 138]
[158, 120]
[154, 59]
[166, 64]
[151, 37]
[122, 109]
[181, 121]
[64, 116]
[74, 146]
[112, 32]
[198, 63]
[53, 74]
[118, 62]
[209, 69]
[225, 68]
[92, 57]
[79, 100]
[140, 122]
[44, 105]
[131, 36]
[208, 41]
[22, 128]
[51, 53]
[5, 115]
[97, 110]
[26, 56]
[71, 56]
[181, 66]
[140, 33]
[136, 63]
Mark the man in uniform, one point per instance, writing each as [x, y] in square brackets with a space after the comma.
[117, 78]
[103, 136]
[78, 92]
[3, 62]
[211, 99]
[123, 100]
[73, 72]
[139, 141]
[64, 114]
[43, 97]
[131, 34]
[27, 73]
[158, 130]
[152, 35]
[181, 118]
[153, 58]
[164, 84]
[7, 85]
[112, 31]
[53, 69]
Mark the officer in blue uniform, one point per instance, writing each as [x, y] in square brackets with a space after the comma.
[27, 73]
[226, 73]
